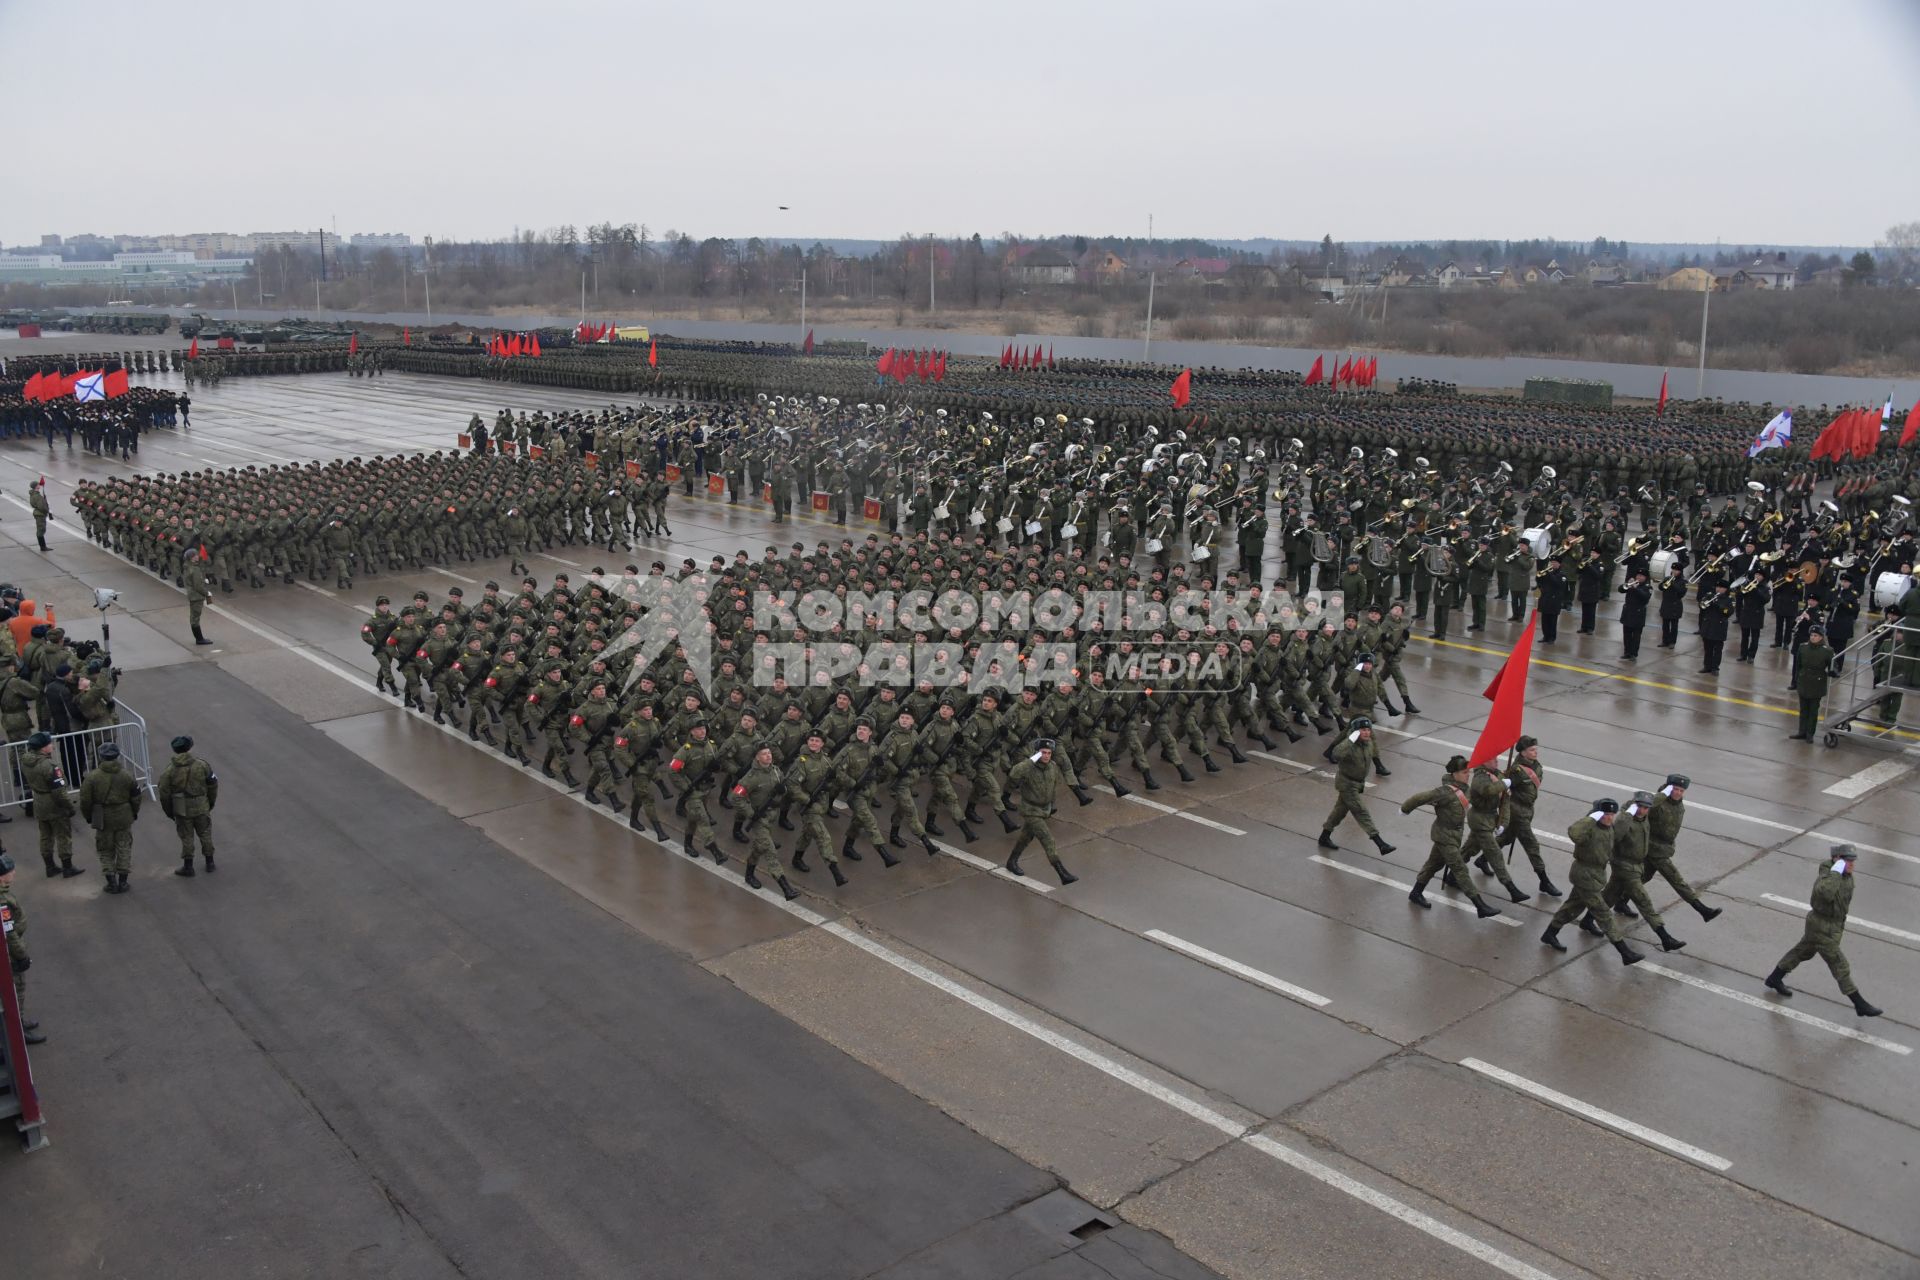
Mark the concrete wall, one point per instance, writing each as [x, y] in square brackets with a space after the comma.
[1642, 381]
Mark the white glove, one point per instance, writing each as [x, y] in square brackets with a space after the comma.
[1354, 736]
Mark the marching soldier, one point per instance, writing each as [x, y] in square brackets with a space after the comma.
[1032, 781]
[1449, 801]
[1826, 924]
[759, 794]
[1488, 811]
[1352, 757]
[1663, 830]
[1629, 866]
[1592, 838]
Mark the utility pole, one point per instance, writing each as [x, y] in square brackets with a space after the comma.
[583, 295]
[1146, 352]
[803, 304]
[426, 280]
[929, 273]
[1706, 304]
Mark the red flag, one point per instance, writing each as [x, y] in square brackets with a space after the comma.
[1049, 355]
[116, 384]
[926, 364]
[806, 348]
[1661, 406]
[1036, 355]
[653, 353]
[353, 343]
[1182, 389]
[1912, 427]
[533, 345]
[193, 352]
[1006, 355]
[1869, 437]
[940, 375]
[31, 391]
[204, 557]
[1508, 693]
[884, 365]
[1373, 369]
[1316, 374]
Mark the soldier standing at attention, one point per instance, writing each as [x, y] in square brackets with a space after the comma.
[37, 499]
[52, 806]
[1826, 922]
[188, 789]
[13, 923]
[1810, 681]
[1351, 760]
[110, 802]
[1449, 801]
[1032, 782]
[1663, 828]
[1592, 838]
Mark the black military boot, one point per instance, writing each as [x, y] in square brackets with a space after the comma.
[753, 881]
[1861, 1007]
[1515, 892]
[719, 858]
[1380, 768]
[1449, 880]
[1391, 709]
[1667, 941]
[1291, 735]
[1380, 843]
[1013, 858]
[847, 850]
[1326, 840]
[1626, 911]
[1552, 938]
[786, 889]
[1235, 754]
[886, 856]
[113, 885]
[566, 775]
[934, 828]
[737, 833]
[592, 796]
[1008, 822]
[1186, 774]
[967, 833]
[1080, 793]
[1120, 788]
[971, 814]
[839, 880]
[1627, 954]
[1778, 981]
[1327, 755]
[800, 861]
[693, 850]
[893, 835]
[1481, 864]
[633, 819]
[53, 868]
[473, 729]
[1482, 906]
[1411, 709]
[1548, 888]
[1208, 761]
[1589, 925]
[659, 833]
[786, 823]
[926, 842]
[1067, 877]
[1266, 743]
[1706, 912]
[1419, 895]
[438, 718]
[1152, 783]
[186, 866]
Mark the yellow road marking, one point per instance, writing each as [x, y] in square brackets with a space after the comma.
[1640, 680]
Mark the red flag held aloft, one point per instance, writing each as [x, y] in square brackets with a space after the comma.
[884, 365]
[353, 344]
[31, 392]
[1913, 425]
[1318, 372]
[116, 384]
[940, 369]
[406, 336]
[1182, 389]
[1049, 355]
[806, 348]
[653, 353]
[1508, 693]
[533, 344]
[193, 352]
[1660, 407]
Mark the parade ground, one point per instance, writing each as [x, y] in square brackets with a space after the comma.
[437, 1016]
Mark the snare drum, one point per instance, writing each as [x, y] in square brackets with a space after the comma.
[1155, 546]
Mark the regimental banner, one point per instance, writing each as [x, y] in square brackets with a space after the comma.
[870, 509]
[822, 500]
[716, 485]
[633, 471]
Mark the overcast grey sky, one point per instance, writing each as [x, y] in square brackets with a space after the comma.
[1761, 121]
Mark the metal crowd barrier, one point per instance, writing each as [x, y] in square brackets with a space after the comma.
[79, 751]
[1885, 661]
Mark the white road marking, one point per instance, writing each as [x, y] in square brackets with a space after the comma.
[1774, 1006]
[1168, 809]
[1652, 1137]
[317, 590]
[1837, 838]
[571, 564]
[992, 868]
[457, 577]
[1469, 1245]
[1405, 887]
[1239, 970]
[1874, 775]
[1853, 921]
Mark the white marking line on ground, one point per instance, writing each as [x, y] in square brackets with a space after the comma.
[1238, 970]
[1867, 779]
[1301, 765]
[571, 564]
[1774, 1006]
[1853, 921]
[992, 868]
[1499, 1261]
[1437, 898]
[457, 577]
[317, 590]
[1861, 844]
[1168, 809]
[1652, 1137]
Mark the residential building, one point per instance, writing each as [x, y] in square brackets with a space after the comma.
[380, 240]
[1045, 266]
[1447, 276]
[1687, 280]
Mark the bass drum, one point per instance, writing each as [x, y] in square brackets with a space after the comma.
[1660, 564]
[1889, 588]
[1539, 541]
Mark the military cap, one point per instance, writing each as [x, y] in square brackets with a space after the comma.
[1840, 851]
[1374, 608]
[698, 720]
[39, 631]
[661, 565]
[62, 670]
[863, 722]
[1526, 740]
[378, 600]
[183, 743]
[1605, 805]
[1643, 799]
[421, 595]
[1680, 780]
[1362, 656]
[1044, 744]
[110, 752]
[1456, 763]
[492, 585]
[1360, 722]
[35, 741]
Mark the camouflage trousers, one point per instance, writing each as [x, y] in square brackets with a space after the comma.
[115, 849]
[1481, 844]
[1626, 885]
[1350, 798]
[187, 828]
[1827, 949]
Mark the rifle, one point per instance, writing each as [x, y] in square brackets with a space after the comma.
[696, 784]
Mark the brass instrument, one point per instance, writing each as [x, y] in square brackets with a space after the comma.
[1636, 547]
[1710, 564]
